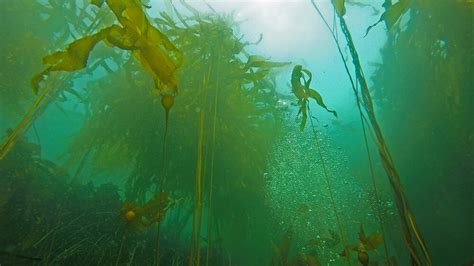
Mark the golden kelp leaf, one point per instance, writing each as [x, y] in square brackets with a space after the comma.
[142, 216]
[154, 36]
[340, 7]
[261, 62]
[129, 13]
[156, 206]
[121, 38]
[392, 14]
[35, 81]
[75, 56]
[310, 78]
[152, 48]
[373, 241]
[282, 249]
[303, 92]
[317, 97]
[347, 250]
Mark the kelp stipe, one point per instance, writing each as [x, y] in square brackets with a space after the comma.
[409, 226]
[303, 92]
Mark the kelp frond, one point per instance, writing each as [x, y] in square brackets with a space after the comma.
[149, 46]
[392, 14]
[303, 92]
[409, 226]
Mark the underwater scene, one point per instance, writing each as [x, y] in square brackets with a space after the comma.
[239, 133]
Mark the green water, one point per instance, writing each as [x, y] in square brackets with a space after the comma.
[91, 175]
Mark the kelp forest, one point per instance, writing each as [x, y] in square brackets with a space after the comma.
[281, 133]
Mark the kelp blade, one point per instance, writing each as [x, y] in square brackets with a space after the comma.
[392, 14]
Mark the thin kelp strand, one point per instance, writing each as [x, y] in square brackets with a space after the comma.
[167, 102]
[19, 256]
[334, 33]
[199, 179]
[369, 158]
[198, 182]
[36, 134]
[178, 14]
[374, 184]
[81, 165]
[23, 125]
[328, 182]
[417, 235]
[120, 251]
[211, 178]
[193, 237]
[383, 151]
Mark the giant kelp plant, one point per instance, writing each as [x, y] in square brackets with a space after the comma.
[437, 78]
[185, 154]
[113, 138]
[223, 84]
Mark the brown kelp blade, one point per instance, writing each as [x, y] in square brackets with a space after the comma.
[303, 92]
[283, 248]
[391, 15]
[401, 200]
[153, 49]
[319, 100]
[74, 57]
[370, 242]
[261, 62]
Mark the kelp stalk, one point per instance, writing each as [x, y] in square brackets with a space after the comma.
[372, 176]
[167, 101]
[409, 226]
[205, 84]
[197, 196]
[363, 123]
[211, 178]
[328, 181]
[38, 106]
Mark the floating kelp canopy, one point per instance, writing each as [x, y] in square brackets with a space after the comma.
[187, 124]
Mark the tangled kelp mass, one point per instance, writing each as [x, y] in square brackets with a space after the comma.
[165, 133]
